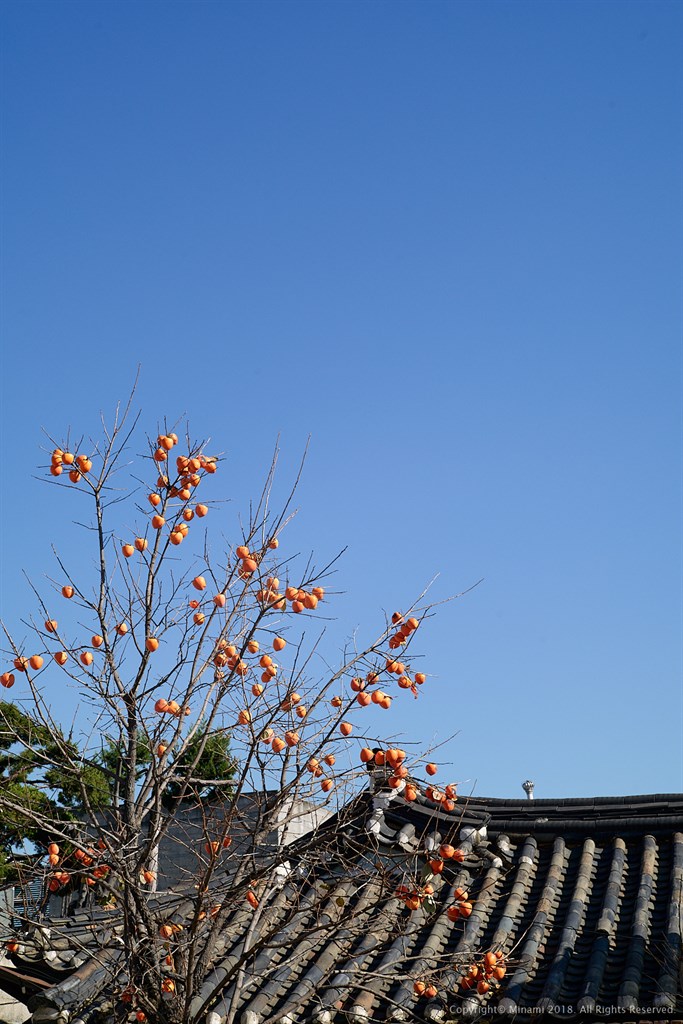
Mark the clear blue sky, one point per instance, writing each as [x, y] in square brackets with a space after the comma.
[445, 239]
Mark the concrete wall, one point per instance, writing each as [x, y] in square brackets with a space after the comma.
[11, 1010]
[183, 846]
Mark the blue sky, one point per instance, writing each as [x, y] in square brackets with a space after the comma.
[443, 239]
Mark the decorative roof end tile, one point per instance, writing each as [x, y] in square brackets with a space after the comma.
[249, 1017]
[435, 1012]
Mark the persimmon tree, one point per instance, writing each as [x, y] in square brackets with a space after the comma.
[194, 688]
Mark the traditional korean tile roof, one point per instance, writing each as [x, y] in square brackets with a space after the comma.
[583, 898]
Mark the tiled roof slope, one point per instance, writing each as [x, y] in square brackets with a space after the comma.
[583, 897]
[589, 906]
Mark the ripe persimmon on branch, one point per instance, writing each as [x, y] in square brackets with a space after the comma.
[203, 729]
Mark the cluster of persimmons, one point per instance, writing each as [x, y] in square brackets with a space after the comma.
[482, 974]
[87, 863]
[175, 507]
[77, 465]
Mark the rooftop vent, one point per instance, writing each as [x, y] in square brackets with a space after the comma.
[528, 788]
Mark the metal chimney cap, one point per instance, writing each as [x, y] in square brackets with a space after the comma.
[528, 787]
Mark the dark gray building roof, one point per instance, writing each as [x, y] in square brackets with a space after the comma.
[583, 898]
